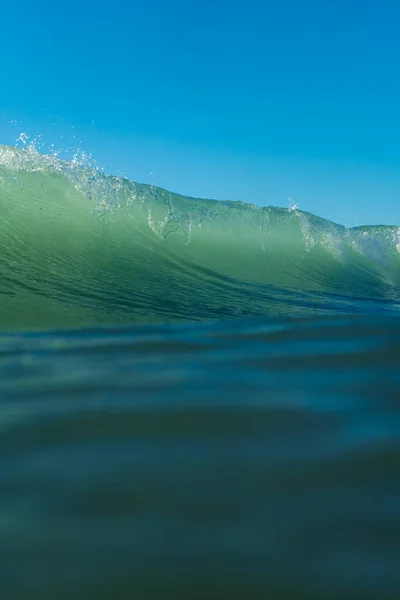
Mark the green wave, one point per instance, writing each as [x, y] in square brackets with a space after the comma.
[80, 247]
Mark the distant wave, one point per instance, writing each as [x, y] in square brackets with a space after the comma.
[80, 247]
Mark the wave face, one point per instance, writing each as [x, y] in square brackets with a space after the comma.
[78, 247]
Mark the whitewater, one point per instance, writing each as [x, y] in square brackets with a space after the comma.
[198, 399]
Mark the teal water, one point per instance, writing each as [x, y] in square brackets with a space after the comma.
[197, 399]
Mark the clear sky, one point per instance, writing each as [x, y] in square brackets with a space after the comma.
[250, 100]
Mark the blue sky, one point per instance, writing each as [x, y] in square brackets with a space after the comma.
[254, 101]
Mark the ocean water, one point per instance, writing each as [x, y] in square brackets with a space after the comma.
[198, 399]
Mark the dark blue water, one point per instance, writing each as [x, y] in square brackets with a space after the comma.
[240, 459]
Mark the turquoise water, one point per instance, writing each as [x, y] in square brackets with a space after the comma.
[197, 399]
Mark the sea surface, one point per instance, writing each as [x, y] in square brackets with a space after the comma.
[198, 399]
